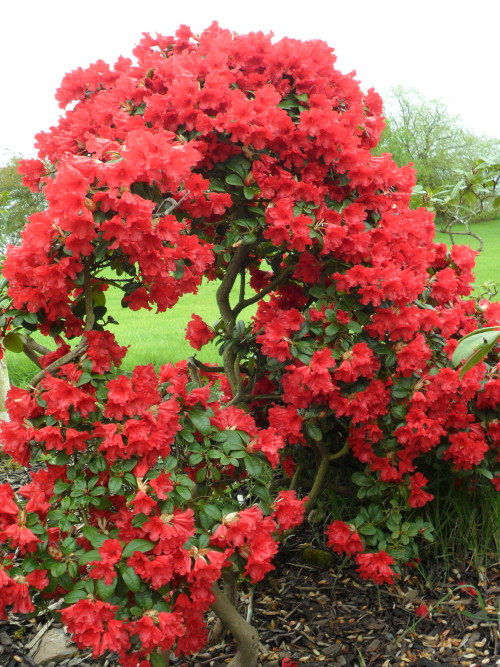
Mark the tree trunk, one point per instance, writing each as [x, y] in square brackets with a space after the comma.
[230, 587]
[246, 636]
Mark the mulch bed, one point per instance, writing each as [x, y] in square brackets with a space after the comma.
[327, 615]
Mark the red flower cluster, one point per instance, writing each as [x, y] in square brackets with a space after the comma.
[343, 539]
[376, 566]
[198, 332]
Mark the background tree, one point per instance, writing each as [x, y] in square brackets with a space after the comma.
[422, 131]
[16, 203]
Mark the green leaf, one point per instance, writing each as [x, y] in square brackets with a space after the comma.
[184, 492]
[61, 459]
[104, 591]
[131, 579]
[89, 556]
[75, 596]
[360, 479]
[200, 421]
[475, 358]
[288, 103]
[98, 464]
[57, 569]
[253, 466]
[263, 493]
[474, 347]
[485, 473]
[83, 379]
[332, 329]
[156, 660]
[231, 438]
[73, 569]
[13, 342]
[114, 485]
[195, 458]
[144, 599]
[201, 475]
[248, 193]
[213, 512]
[313, 431]
[239, 165]
[94, 536]
[60, 487]
[30, 318]
[354, 327]
[137, 545]
[234, 179]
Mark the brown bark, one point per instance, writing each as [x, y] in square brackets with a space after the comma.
[230, 587]
[246, 636]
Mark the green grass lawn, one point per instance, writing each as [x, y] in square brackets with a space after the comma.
[159, 338]
[152, 337]
[488, 261]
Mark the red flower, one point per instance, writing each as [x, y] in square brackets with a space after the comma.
[198, 333]
[470, 590]
[162, 485]
[20, 536]
[60, 396]
[418, 497]
[376, 566]
[467, 449]
[290, 465]
[288, 510]
[92, 623]
[343, 539]
[422, 611]
[269, 442]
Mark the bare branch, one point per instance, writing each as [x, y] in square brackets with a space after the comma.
[205, 368]
[75, 352]
[34, 345]
[174, 204]
[269, 288]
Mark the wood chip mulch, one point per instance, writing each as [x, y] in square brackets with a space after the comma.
[328, 615]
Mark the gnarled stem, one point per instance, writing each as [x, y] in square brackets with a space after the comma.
[246, 636]
[325, 458]
[230, 587]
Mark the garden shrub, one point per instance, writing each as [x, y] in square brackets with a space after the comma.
[247, 162]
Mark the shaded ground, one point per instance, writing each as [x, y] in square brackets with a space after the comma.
[327, 615]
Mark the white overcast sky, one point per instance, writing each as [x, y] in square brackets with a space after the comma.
[445, 48]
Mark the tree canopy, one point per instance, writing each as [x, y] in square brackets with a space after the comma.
[17, 203]
[424, 132]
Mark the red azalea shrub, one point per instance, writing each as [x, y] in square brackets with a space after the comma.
[246, 162]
